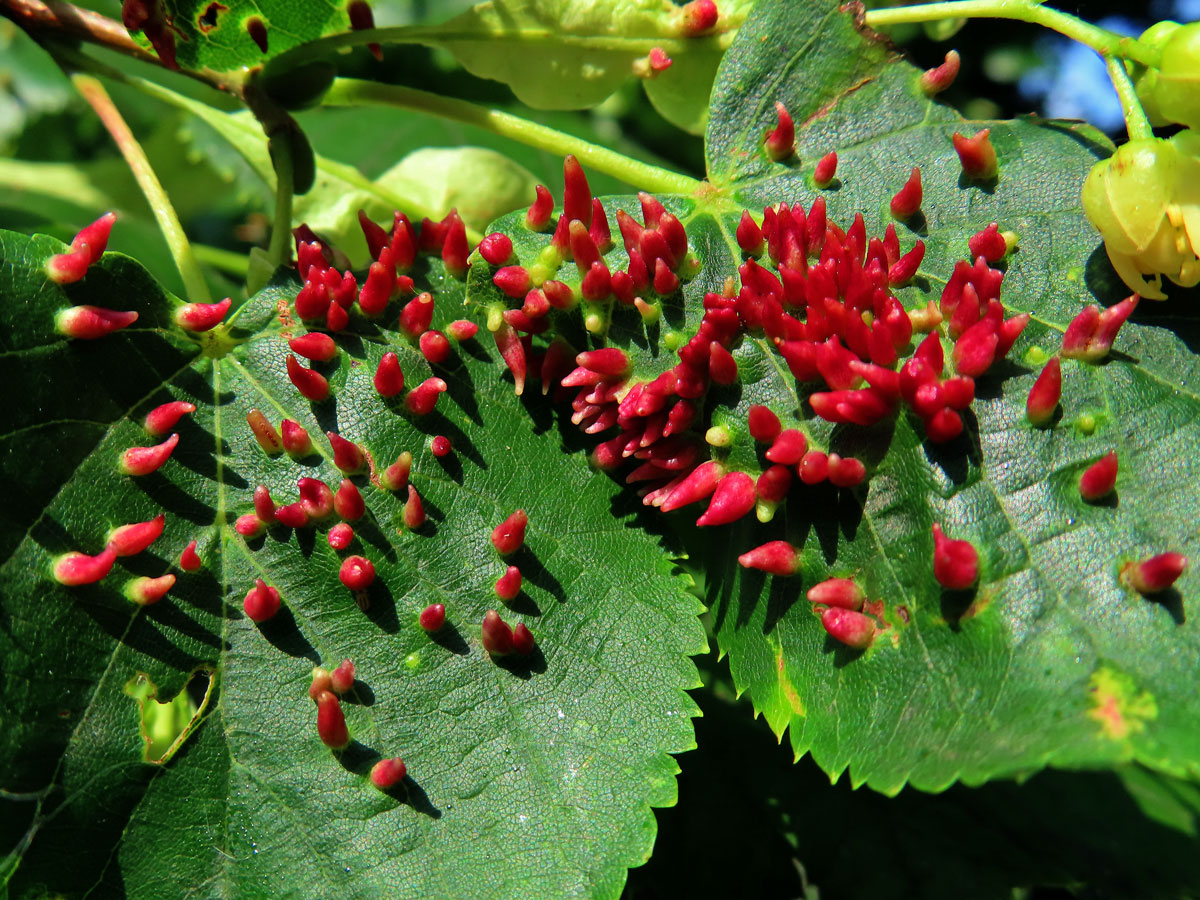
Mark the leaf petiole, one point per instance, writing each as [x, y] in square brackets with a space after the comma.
[352, 92]
[1104, 42]
[1136, 122]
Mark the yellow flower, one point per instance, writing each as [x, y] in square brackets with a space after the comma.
[1145, 201]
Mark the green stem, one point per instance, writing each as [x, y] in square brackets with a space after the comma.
[1136, 122]
[229, 261]
[280, 249]
[168, 221]
[350, 92]
[1101, 40]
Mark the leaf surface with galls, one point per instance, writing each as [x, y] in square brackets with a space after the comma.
[531, 775]
[1050, 659]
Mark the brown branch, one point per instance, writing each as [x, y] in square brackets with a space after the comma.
[53, 17]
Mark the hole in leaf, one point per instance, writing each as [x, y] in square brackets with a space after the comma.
[165, 725]
[207, 20]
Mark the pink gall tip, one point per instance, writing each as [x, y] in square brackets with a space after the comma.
[845, 471]
[788, 448]
[977, 155]
[780, 142]
[750, 236]
[955, 563]
[432, 617]
[421, 400]
[825, 170]
[262, 602]
[331, 721]
[841, 593]
[341, 679]
[512, 351]
[138, 461]
[395, 476]
[130, 540]
[348, 501]
[347, 455]
[87, 323]
[937, 79]
[145, 591]
[1156, 574]
[774, 557]
[577, 194]
[456, 251]
[854, 629]
[321, 682]
[1043, 397]
[509, 535]
[387, 773]
[389, 377]
[508, 585]
[733, 498]
[315, 346]
[264, 432]
[414, 510]
[340, 536]
[162, 419]
[295, 439]
[312, 385]
[74, 568]
[496, 634]
[199, 317]
[462, 330]
[906, 202]
[988, 243]
[357, 573]
[264, 506]
[813, 467]
[440, 446]
[1099, 479]
[189, 559]
[522, 640]
[697, 18]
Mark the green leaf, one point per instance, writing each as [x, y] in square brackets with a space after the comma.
[1128, 832]
[557, 54]
[218, 36]
[528, 776]
[1052, 660]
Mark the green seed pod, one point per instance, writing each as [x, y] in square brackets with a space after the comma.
[1146, 79]
[1177, 92]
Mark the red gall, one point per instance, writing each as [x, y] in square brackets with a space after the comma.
[316, 498]
[389, 377]
[432, 617]
[138, 461]
[1043, 397]
[508, 585]
[456, 251]
[1156, 574]
[417, 315]
[697, 485]
[348, 457]
[421, 400]
[440, 446]
[200, 317]
[292, 516]
[312, 385]
[395, 476]
[845, 472]
[906, 202]
[512, 351]
[496, 248]
[387, 773]
[315, 346]
[75, 568]
[539, 213]
[262, 602]
[697, 18]
[357, 573]
[577, 195]
[341, 679]
[462, 330]
[813, 467]
[87, 323]
[955, 562]
[774, 557]
[249, 526]
[145, 591]
[321, 682]
[264, 432]
[733, 498]
[189, 559]
[434, 347]
[348, 501]
[780, 142]
[340, 536]
[977, 156]
[86, 248]
[854, 629]
[937, 79]
[496, 635]
[295, 439]
[842, 593]
[162, 419]
[825, 170]
[331, 721]
[264, 506]
[1099, 479]
[509, 535]
[522, 640]
[414, 510]
[130, 540]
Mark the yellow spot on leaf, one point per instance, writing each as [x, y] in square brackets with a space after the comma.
[785, 686]
[1117, 705]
